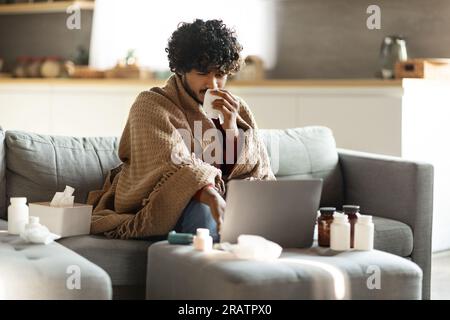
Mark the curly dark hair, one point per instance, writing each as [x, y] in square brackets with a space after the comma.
[204, 45]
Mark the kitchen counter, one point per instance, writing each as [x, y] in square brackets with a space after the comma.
[231, 83]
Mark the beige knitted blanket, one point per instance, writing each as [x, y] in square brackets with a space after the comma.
[159, 174]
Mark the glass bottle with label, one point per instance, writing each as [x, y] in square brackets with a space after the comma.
[51, 67]
[323, 225]
[20, 68]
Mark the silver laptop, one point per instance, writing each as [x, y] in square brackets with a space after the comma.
[281, 211]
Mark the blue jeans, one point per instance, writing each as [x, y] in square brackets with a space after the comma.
[197, 215]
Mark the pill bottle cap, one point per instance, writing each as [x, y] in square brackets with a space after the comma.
[327, 210]
[18, 200]
[340, 218]
[364, 219]
[350, 207]
[202, 232]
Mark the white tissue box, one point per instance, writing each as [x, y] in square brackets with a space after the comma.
[67, 221]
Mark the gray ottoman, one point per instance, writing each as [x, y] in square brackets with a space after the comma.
[37, 271]
[179, 272]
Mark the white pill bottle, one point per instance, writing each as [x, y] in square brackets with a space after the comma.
[340, 233]
[18, 215]
[364, 233]
[202, 240]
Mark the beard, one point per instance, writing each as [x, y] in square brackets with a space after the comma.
[190, 91]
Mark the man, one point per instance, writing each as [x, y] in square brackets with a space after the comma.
[163, 182]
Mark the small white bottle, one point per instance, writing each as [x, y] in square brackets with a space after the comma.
[203, 241]
[364, 233]
[340, 233]
[33, 222]
[32, 225]
[17, 215]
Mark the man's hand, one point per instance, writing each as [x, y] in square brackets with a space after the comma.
[229, 107]
[216, 203]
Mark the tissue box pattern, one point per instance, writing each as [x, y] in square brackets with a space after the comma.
[63, 221]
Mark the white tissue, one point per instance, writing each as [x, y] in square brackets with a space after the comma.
[63, 199]
[207, 106]
[37, 233]
[252, 247]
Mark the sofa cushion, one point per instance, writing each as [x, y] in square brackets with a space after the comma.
[124, 260]
[308, 152]
[393, 236]
[37, 165]
[2, 175]
[3, 225]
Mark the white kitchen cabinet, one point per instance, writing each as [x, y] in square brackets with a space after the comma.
[272, 110]
[369, 122]
[90, 112]
[362, 118]
[65, 109]
[25, 107]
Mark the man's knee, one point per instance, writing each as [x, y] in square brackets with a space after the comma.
[197, 215]
[201, 214]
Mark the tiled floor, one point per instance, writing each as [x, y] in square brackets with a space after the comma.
[440, 276]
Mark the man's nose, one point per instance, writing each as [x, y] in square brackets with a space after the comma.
[211, 81]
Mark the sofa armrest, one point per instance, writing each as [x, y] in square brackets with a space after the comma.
[393, 188]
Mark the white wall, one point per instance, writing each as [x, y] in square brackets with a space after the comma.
[426, 134]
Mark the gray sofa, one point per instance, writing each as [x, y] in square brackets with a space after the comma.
[397, 192]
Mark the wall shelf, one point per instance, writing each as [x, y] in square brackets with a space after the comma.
[43, 7]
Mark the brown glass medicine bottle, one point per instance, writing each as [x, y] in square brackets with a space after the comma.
[323, 225]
